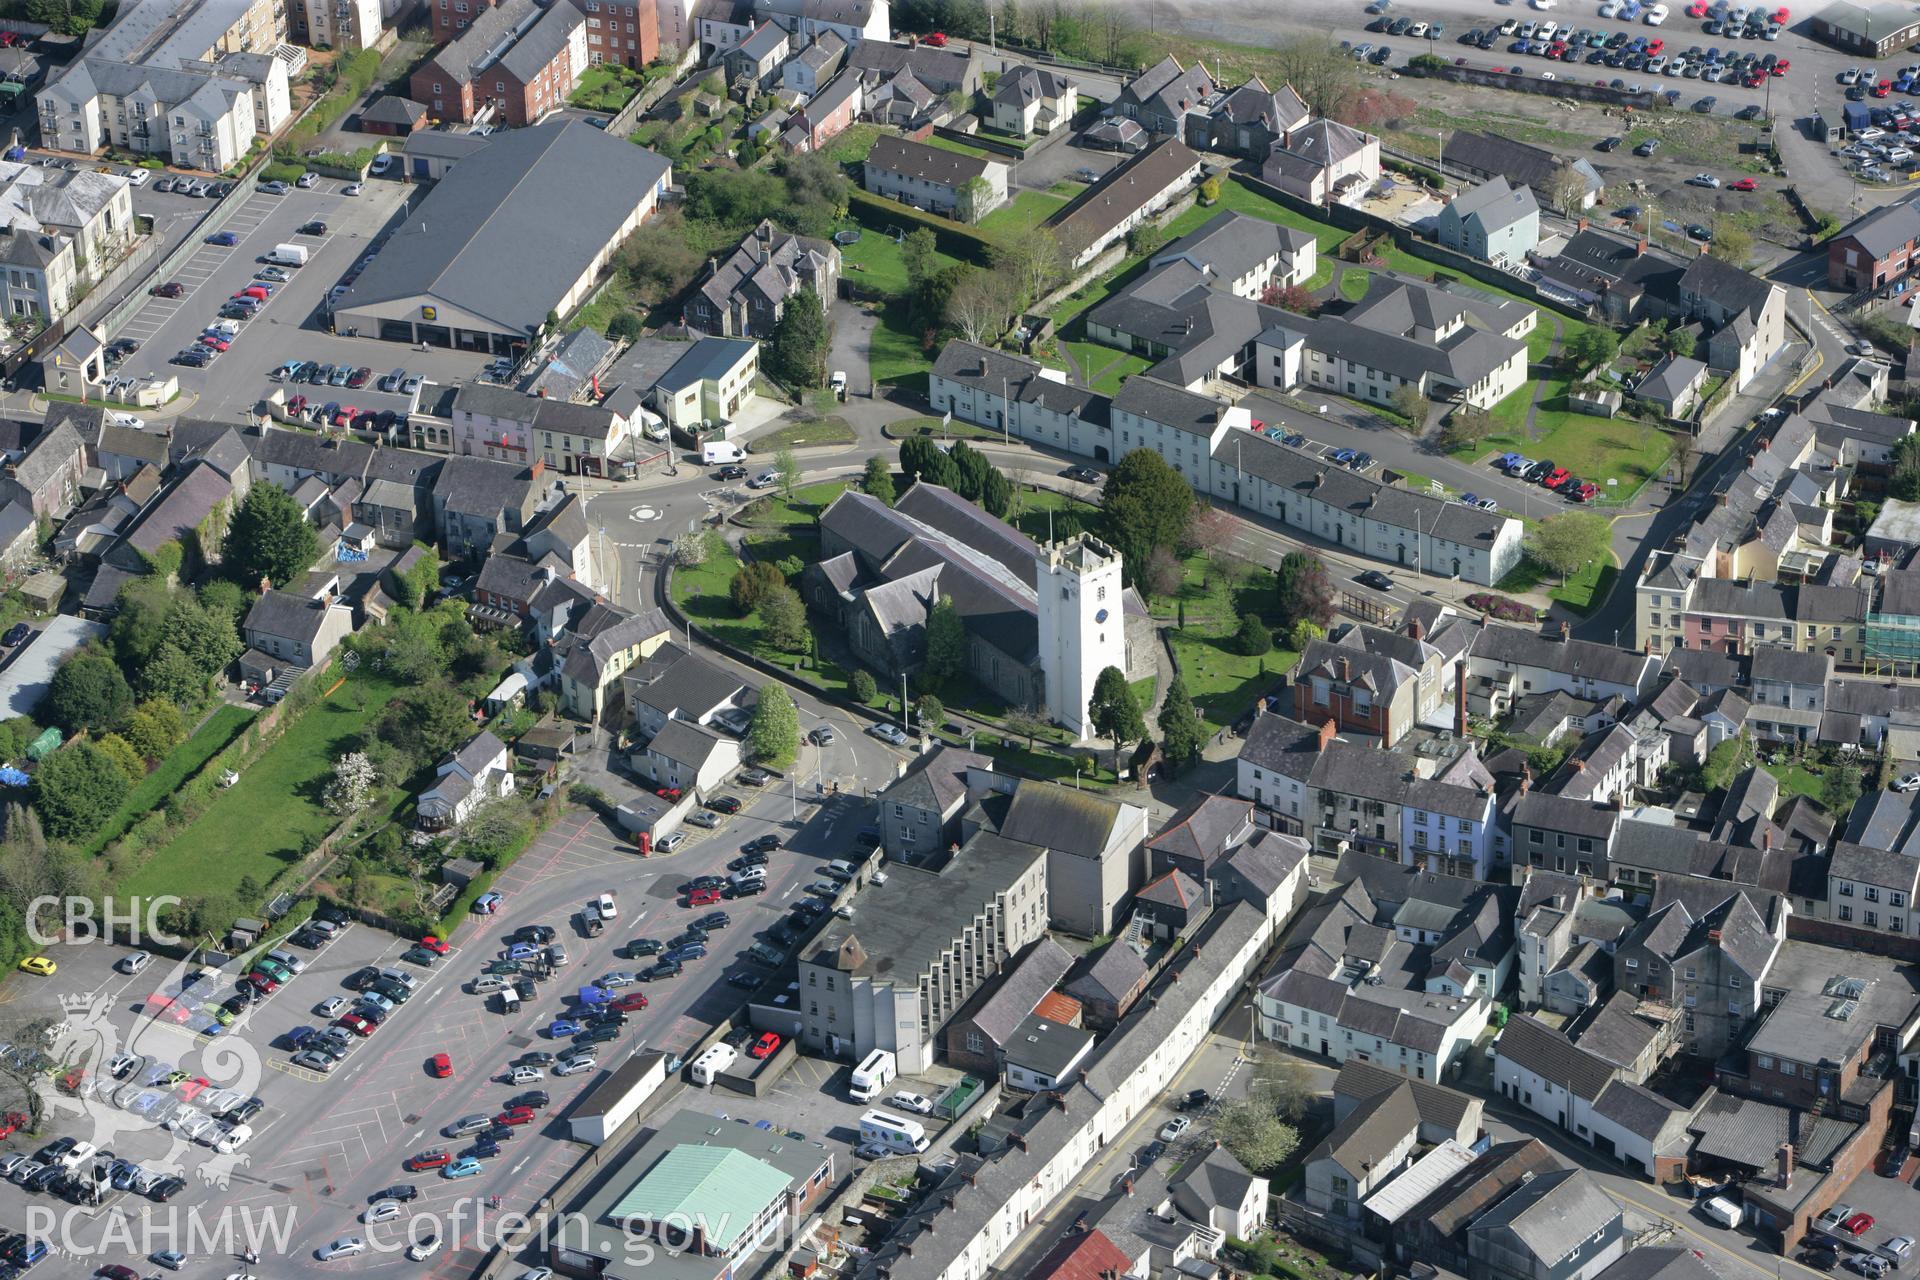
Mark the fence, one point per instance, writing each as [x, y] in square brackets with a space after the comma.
[628, 116]
[1546, 88]
[117, 316]
[980, 141]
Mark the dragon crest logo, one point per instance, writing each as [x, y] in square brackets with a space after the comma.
[113, 1083]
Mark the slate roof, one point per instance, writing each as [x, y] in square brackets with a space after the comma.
[686, 742]
[286, 615]
[1282, 745]
[1204, 832]
[1725, 284]
[1463, 1197]
[481, 487]
[1739, 1130]
[1638, 1110]
[1883, 867]
[1214, 1180]
[180, 512]
[1168, 88]
[1123, 191]
[1026, 84]
[1551, 1215]
[391, 108]
[1174, 889]
[564, 186]
[1116, 971]
[1519, 162]
[1371, 1131]
[1050, 816]
[1671, 379]
[1886, 230]
[683, 684]
[1395, 328]
[1512, 646]
[936, 781]
[1495, 204]
[516, 34]
[934, 165]
[1022, 984]
[1435, 1104]
[1534, 1045]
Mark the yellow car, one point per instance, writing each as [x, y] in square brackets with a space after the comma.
[40, 965]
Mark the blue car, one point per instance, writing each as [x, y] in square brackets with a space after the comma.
[593, 996]
[146, 1102]
[225, 239]
[464, 1167]
[1342, 456]
[1471, 499]
[299, 1036]
[1506, 460]
[522, 951]
[691, 951]
[156, 1072]
[562, 1028]
[27, 1252]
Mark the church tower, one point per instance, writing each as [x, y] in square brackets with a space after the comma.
[1082, 624]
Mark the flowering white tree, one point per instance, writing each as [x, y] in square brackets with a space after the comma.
[352, 785]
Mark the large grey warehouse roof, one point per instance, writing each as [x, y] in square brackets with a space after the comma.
[512, 225]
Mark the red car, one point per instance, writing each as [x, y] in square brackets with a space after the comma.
[440, 1065]
[629, 1002]
[515, 1116]
[1587, 492]
[191, 1089]
[1655, 45]
[667, 793]
[433, 1159]
[1780, 16]
[703, 897]
[1882, 89]
[1856, 1226]
[12, 1123]
[1780, 67]
[1557, 477]
[114, 1271]
[345, 415]
[1698, 9]
[216, 341]
[765, 1045]
[938, 40]
[356, 1024]
[435, 945]
[171, 289]
[258, 291]
[262, 983]
[1746, 184]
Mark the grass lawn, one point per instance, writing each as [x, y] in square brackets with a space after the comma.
[1241, 198]
[222, 727]
[830, 430]
[606, 87]
[928, 425]
[613, 298]
[1224, 684]
[1102, 368]
[1353, 284]
[895, 355]
[257, 827]
[961, 148]
[874, 261]
[854, 142]
[1586, 590]
[1796, 778]
[701, 593]
[1036, 511]
[806, 504]
[1027, 210]
[1599, 449]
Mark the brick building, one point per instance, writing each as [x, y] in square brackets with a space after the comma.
[621, 31]
[510, 65]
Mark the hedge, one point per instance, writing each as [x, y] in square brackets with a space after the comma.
[955, 239]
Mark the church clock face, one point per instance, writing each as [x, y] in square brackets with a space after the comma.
[1100, 616]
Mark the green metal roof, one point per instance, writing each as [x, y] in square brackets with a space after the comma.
[718, 1188]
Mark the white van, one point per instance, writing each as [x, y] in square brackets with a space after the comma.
[509, 1000]
[875, 1072]
[288, 255]
[721, 451]
[1723, 1211]
[713, 1062]
[895, 1133]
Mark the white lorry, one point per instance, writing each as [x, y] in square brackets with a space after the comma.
[288, 255]
[895, 1133]
[875, 1072]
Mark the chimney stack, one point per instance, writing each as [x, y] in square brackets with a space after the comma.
[1460, 697]
[1582, 224]
[1346, 670]
[1526, 778]
[1415, 630]
[1640, 247]
[1785, 1157]
[1327, 730]
[1565, 631]
[1766, 840]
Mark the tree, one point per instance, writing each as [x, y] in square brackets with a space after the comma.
[422, 578]
[1252, 639]
[1681, 342]
[980, 303]
[797, 354]
[155, 728]
[1026, 722]
[1290, 297]
[1210, 189]
[1464, 428]
[206, 638]
[89, 693]
[1839, 788]
[1032, 261]
[860, 685]
[223, 595]
[785, 619]
[690, 549]
[996, 495]
[351, 786]
[971, 468]
[1592, 346]
[1256, 1136]
[1567, 189]
[1181, 732]
[1731, 243]
[170, 674]
[789, 468]
[1145, 238]
[1323, 74]
[1569, 541]
[946, 643]
[1304, 633]
[1410, 404]
[1305, 589]
[920, 252]
[425, 724]
[1115, 712]
[1146, 504]
[752, 582]
[1162, 576]
[774, 736]
[123, 755]
[76, 789]
[929, 711]
[817, 192]
[1209, 530]
[877, 483]
[269, 538]
[1285, 1085]
[658, 260]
